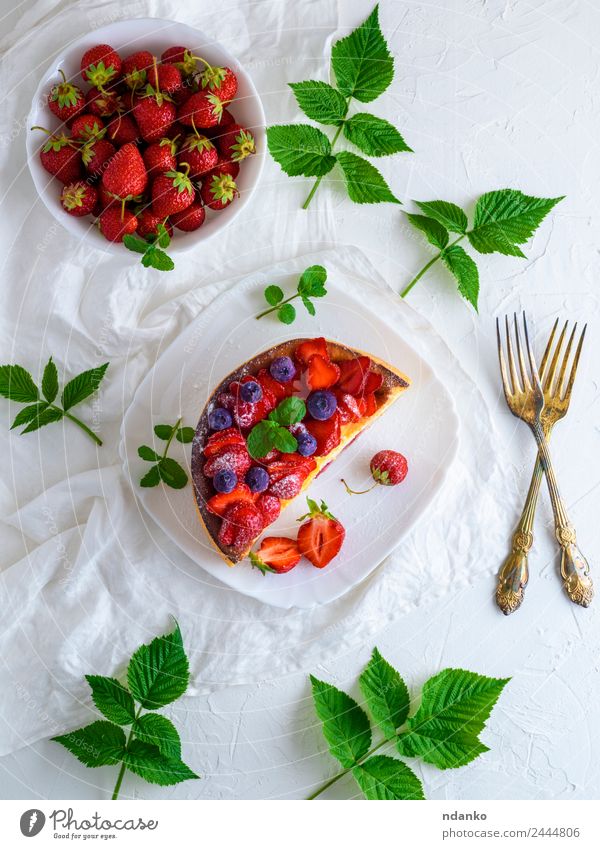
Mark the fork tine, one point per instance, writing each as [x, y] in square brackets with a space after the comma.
[567, 395]
[524, 375]
[511, 359]
[548, 349]
[503, 372]
[549, 379]
[535, 377]
[558, 386]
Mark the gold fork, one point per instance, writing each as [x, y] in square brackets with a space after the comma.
[525, 398]
[514, 573]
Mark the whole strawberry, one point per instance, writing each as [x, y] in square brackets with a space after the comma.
[100, 65]
[181, 57]
[95, 154]
[125, 176]
[114, 223]
[86, 127]
[321, 536]
[223, 167]
[105, 198]
[219, 81]
[165, 78]
[135, 68]
[236, 144]
[160, 157]
[189, 219]
[200, 153]
[104, 103]
[172, 192]
[60, 156]
[219, 191]
[78, 198]
[154, 114]
[388, 468]
[121, 130]
[65, 99]
[201, 110]
[148, 223]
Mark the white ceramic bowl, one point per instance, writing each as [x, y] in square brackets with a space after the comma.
[126, 37]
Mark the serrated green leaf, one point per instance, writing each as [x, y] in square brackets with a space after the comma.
[163, 238]
[300, 150]
[286, 314]
[361, 61]
[147, 453]
[464, 270]
[273, 295]
[17, 384]
[98, 744]
[345, 724]
[448, 214]
[374, 136]
[50, 381]
[382, 777]
[320, 101]
[158, 673]
[172, 473]
[260, 439]
[435, 233]
[386, 694]
[284, 441]
[112, 699]
[155, 258]
[185, 434]
[148, 762]
[505, 219]
[159, 731]
[289, 411]
[363, 181]
[312, 282]
[151, 478]
[45, 417]
[134, 243]
[163, 431]
[310, 307]
[82, 386]
[455, 706]
[28, 413]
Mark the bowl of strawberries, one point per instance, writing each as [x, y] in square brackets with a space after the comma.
[146, 137]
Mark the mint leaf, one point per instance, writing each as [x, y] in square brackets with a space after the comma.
[158, 673]
[436, 234]
[465, 270]
[286, 314]
[163, 239]
[82, 386]
[320, 101]
[310, 307]
[151, 478]
[447, 214]
[289, 411]
[50, 381]
[159, 731]
[185, 434]
[163, 431]
[148, 762]
[147, 453]
[386, 694]
[44, 417]
[172, 473]
[312, 282]
[507, 218]
[284, 441]
[381, 777]
[361, 61]
[134, 243]
[300, 150]
[374, 136]
[17, 384]
[273, 295]
[345, 725]
[454, 708]
[98, 744]
[28, 413]
[363, 181]
[155, 258]
[260, 439]
[112, 699]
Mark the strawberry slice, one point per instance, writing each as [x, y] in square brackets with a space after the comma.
[280, 554]
[277, 389]
[269, 506]
[247, 522]
[288, 486]
[233, 457]
[327, 433]
[373, 382]
[321, 374]
[246, 415]
[321, 537]
[226, 533]
[307, 349]
[347, 407]
[367, 404]
[227, 438]
[222, 501]
[353, 375]
[288, 474]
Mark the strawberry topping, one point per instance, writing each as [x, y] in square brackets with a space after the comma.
[232, 457]
[223, 439]
[307, 349]
[327, 433]
[321, 374]
[220, 503]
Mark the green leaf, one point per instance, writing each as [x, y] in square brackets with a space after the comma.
[159, 731]
[312, 282]
[286, 314]
[50, 381]
[310, 307]
[172, 473]
[300, 150]
[386, 694]
[363, 181]
[382, 777]
[436, 234]
[17, 384]
[134, 243]
[155, 258]
[158, 673]
[163, 238]
[163, 431]
[260, 438]
[148, 762]
[289, 411]
[151, 478]
[507, 218]
[448, 214]
[374, 136]
[465, 271]
[28, 413]
[454, 708]
[320, 101]
[82, 386]
[361, 61]
[185, 434]
[45, 417]
[345, 725]
[98, 744]
[273, 295]
[284, 441]
[147, 453]
[112, 699]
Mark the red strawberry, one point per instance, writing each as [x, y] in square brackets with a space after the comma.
[269, 506]
[321, 373]
[165, 78]
[104, 103]
[60, 157]
[96, 154]
[148, 222]
[367, 404]
[222, 501]
[233, 457]
[353, 375]
[65, 99]
[78, 198]
[219, 81]
[245, 414]
[105, 198]
[201, 110]
[218, 191]
[125, 175]
[222, 167]
[327, 433]
[227, 120]
[135, 68]
[321, 537]
[373, 382]
[307, 349]
[115, 223]
[122, 130]
[277, 389]
[153, 114]
[160, 157]
[388, 468]
[222, 438]
[100, 65]
[190, 219]
[236, 144]
[181, 57]
[288, 474]
[247, 522]
[172, 192]
[278, 554]
[86, 127]
[347, 407]
[200, 154]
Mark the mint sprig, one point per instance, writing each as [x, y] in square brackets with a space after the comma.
[17, 384]
[455, 706]
[151, 249]
[363, 68]
[503, 220]
[165, 468]
[310, 285]
[157, 674]
[273, 432]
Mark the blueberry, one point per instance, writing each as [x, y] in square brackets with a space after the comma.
[225, 480]
[307, 444]
[321, 405]
[219, 419]
[251, 392]
[282, 369]
[257, 479]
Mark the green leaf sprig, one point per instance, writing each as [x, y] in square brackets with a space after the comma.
[363, 68]
[455, 706]
[151, 249]
[17, 384]
[273, 432]
[310, 285]
[157, 674]
[166, 469]
[503, 220]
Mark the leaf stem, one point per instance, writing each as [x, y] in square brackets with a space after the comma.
[170, 439]
[337, 777]
[115, 794]
[317, 183]
[426, 268]
[79, 423]
[278, 306]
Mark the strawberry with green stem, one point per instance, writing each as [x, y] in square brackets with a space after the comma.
[219, 191]
[173, 191]
[219, 80]
[60, 156]
[100, 65]
[388, 468]
[236, 143]
[65, 99]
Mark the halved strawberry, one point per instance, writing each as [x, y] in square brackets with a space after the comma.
[279, 553]
[326, 433]
[353, 375]
[216, 442]
[321, 374]
[347, 407]
[373, 382]
[222, 501]
[307, 349]
[233, 457]
[247, 522]
[367, 404]
[320, 538]
[269, 506]
[279, 390]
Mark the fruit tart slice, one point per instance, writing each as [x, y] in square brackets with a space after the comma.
[273, 424]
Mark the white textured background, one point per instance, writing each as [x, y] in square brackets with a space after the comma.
[489, 93]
